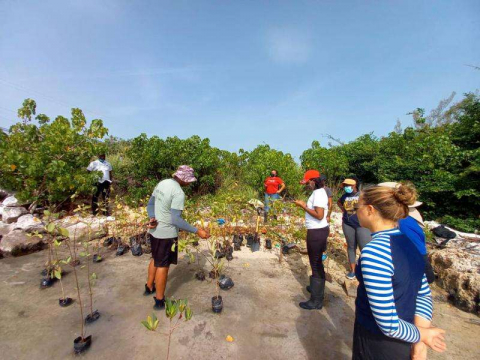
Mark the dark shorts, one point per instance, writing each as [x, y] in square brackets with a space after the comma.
[162, 253]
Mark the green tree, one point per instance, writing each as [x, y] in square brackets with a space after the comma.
[257, 164]
[332, 162]
[149, 160]
[45, 161]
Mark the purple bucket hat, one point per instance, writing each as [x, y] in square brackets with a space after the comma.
[185, 173]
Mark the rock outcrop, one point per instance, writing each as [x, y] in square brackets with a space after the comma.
[17, 242]
[89, 229]
[29, 223]
[11, 214]
[458, 273]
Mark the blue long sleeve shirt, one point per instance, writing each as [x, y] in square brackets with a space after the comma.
[409, 226]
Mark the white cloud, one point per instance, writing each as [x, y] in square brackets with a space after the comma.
[290, 46]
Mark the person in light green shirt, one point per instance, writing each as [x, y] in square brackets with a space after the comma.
[165, 212]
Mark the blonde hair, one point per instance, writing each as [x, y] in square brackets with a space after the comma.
[391, 203]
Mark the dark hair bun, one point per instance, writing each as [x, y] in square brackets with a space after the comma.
[405, 194]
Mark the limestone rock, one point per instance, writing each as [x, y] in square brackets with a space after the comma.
[11, 201]
[11, 214]
[459, 274]
[350, 287]
[29, 223]
[5, 228]
[82, 231]
[68, 221]
[4, 193]
[18, 243]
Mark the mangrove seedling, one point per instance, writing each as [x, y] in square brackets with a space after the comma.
[91, 277]
[174, 309]
[81, 343]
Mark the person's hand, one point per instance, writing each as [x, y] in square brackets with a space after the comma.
[328, 219]
[152, 224]
[300, 203]
[202, 234]
[434, 338]
[419, 351]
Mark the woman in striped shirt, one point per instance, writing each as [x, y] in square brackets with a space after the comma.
[394, 305]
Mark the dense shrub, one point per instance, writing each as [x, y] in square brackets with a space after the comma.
[45, 162]
[146, 161]
[442, 160]
[256, 165]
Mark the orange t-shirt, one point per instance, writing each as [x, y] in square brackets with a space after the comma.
[272, 184]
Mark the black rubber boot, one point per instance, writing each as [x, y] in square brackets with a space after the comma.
[159, 304]
[148, 291]
[308, 286]
[265, 217]
[317, 286]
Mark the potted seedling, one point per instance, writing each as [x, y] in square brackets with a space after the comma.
[48, 272]
[91, 277]
[82, 342]
[63, 301]
[174, 309]
[217, 267]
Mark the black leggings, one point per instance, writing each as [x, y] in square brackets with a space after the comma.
[316, 245]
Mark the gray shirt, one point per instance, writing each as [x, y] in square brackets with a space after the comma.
[168, 195]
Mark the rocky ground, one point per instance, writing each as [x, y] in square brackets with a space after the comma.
[260, 312]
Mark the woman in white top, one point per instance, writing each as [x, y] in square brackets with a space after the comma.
[316, 210]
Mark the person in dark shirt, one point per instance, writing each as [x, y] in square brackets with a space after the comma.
[355, 235]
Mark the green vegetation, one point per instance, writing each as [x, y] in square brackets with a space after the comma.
[45, 162]
[440, 154]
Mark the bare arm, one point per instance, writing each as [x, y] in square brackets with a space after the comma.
[317, 213]
[282, 187]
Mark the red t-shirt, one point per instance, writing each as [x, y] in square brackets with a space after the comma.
[272, 184]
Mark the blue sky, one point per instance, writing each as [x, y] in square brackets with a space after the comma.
[241, 73]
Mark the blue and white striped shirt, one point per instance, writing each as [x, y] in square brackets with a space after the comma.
[377, 271]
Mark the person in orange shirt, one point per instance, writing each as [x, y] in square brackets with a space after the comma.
[274, 185]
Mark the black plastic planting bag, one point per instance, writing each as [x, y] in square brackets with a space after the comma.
[225, 282]
[443, 232]
[137, 249]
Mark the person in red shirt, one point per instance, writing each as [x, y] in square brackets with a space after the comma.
[274, 185]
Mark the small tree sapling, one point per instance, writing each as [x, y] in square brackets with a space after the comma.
[174, 309]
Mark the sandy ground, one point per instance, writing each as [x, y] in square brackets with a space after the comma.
[260, 312]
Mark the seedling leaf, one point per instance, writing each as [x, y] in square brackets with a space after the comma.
[51, 227]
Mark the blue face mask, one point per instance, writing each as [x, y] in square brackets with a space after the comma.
[348, 189]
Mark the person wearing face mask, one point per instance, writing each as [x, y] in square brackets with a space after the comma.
[103, 184]
[316, 210]
[355, 234]
[274, 185]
